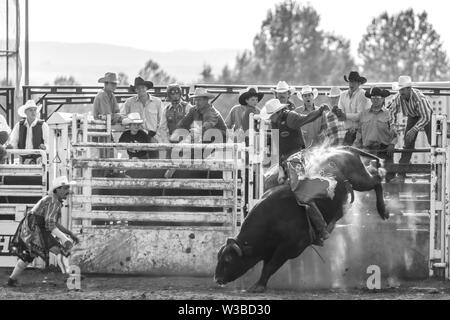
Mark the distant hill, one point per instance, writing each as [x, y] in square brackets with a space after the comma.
[87, 62]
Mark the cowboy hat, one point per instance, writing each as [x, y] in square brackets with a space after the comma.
[134, 117]
[403, 82]
[334, 92]
[354, 76]
[270, 108]
[172, 87]
[306, 90]
[30, 104]
[109, 77]
[282, 87]
[248, 93]
[61, 182]
[377, 92]
[202, 93]
[141, 82]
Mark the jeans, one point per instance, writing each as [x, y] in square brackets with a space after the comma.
[406, 156]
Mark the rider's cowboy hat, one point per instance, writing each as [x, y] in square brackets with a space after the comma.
[141, 82]
[61, 182]
[282, 87]
[109, 77]
[202, 93]
[271, 107]
[30, 104]
[334, 92]
[306, 90]
[403, 82]
[248, 93]
[134, 117]
[354, 76]
[377, 92]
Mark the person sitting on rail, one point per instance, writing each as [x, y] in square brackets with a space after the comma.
[335, 131]
[40, 233]
[313, 132]
[135, 134]
[239, 116]
[30, 133]
[417, 108]
[375, 133]
[105, 101]
[175, 111]
[203, 117]
[283, 92]
[5, 130]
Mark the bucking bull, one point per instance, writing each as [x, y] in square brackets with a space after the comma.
[277, 228]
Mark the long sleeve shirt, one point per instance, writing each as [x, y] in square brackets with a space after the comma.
[418, 106]
[105, 103]
[151, 113]
[374, 128]
[353, 105]
[14, 138]
[208, 117]
[48, 207]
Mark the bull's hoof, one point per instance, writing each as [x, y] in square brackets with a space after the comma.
[257, 288]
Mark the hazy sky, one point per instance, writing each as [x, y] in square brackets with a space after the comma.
[165, 25]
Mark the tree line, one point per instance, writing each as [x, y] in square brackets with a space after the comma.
[291, 46]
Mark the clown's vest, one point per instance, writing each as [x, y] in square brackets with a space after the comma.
[37, 134]
[175, 114]
[291, 140]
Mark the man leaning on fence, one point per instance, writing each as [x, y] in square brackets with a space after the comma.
[175, 111]
[352, 102]
[417, 108]
[30, 133]
[105, 102]
[239, 117]
[202, 118]
[375, 133]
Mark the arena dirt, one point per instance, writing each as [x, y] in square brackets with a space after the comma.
[39, 285]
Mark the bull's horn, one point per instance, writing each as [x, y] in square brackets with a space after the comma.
[237, 249]
[234, 245]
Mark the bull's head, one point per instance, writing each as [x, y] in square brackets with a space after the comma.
[233, 260]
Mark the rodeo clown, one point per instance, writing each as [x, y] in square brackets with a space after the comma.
[40, 233]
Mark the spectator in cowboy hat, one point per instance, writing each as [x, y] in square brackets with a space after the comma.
[149, 107]
[105, 102]
[335, 131]
[135, 134]
[313, 132]
[238, 118]
[175, 111]
[375, 133]
[202, 117]
[288, 123]
[352, 102]
[417, 108]
[40, 233]
[5, 130]
[283, 92]
[30, 133]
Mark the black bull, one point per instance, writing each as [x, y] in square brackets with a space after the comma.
[277, 229]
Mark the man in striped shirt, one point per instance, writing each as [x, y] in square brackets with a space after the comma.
[417, 108]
